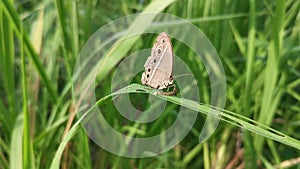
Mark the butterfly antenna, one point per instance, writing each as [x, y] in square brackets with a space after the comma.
[187, 74]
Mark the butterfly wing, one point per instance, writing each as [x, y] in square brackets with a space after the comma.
[159, 66]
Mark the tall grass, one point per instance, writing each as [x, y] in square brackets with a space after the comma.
[258, 43]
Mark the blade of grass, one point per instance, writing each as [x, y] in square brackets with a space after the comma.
[88, 19]
[7, 115]
[274, 151]
[85, 149]
[33, 79]
[191, 155]
[250, 154]
[16, 144]
[75, 31]
[238, 39]
[202, 19]
[250, 56]
[63, 25]
[206, 156]
[11, 12]
[7, 60]
[26, 132]
[70, 40]
[230, 117]
[269, 105]
[28, 161]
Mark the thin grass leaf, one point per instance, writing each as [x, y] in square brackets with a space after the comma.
[17, 144]
[10, 11]
[7, 59]
[206, 157]
[271, 75]
[274, 151]
[250, 55]
[232, 118]
[192, 154]
[238, 39]
[245, 54]
[250, 153]
[28, 157]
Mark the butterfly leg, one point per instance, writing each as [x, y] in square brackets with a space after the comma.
[170, 93]
[174, 91]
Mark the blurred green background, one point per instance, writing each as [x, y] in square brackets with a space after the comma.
[258, 43]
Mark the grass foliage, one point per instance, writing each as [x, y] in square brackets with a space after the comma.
[258, 43]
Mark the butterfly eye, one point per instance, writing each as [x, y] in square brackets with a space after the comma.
[147, 75]
[154, 60]
[149, 69]
[163, 40]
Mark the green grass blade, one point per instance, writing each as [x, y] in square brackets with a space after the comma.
[28, 157]
[16, 144]
[250, 55]
[63, 25]
[258, 44]
[70, 41]
[62, 145]
[7, 60]
[250, 154]
[10, 11]
[230, 117]
[272, 71]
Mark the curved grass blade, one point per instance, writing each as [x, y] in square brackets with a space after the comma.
[227, 116]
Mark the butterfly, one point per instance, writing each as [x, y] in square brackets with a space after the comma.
[158, 72]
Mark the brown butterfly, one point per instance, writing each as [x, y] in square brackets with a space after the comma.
[159, 66]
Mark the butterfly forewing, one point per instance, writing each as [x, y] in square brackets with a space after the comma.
[159, 66]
